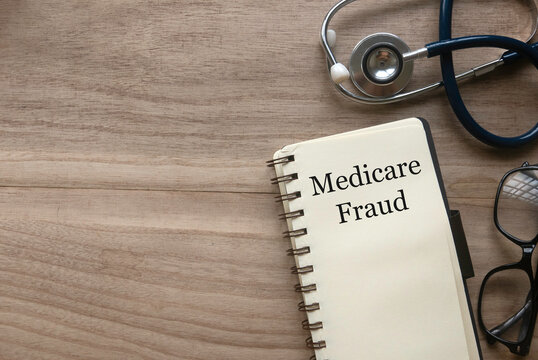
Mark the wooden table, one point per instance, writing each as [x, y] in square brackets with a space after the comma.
[136, 216]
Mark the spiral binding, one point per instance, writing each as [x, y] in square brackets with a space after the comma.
[312, 326]
[295, 233]
[284, 178]
[307, 308]
[305, 288]
[280, 161]
[302, 306]
[291, 214]
[299, 251]
[302, 270]
[288, 197]
[311, 344]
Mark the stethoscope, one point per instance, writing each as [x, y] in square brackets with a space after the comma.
[381, 66]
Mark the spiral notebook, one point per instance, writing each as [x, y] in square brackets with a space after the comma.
[375, 255]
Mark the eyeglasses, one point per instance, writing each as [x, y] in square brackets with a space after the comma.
[507, 304]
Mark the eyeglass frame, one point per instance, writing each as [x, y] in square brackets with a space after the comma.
[522, 346]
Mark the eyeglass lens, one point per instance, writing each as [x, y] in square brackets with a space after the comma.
[517, 207]
[506, 306]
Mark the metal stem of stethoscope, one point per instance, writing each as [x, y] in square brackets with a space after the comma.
[408, 56]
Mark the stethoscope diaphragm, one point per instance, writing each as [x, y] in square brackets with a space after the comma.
[377, 67]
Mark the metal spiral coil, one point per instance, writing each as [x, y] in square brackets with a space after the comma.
[299, 251]
[280, 161]
[311, 344]
[283, 178]
[302, 306]
[295, 233]
[312, 326]
[305, 288]
[308, 307]
[288, 197]
[302, 270]
[291, 214]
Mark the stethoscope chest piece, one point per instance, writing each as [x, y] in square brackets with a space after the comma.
[377, 67]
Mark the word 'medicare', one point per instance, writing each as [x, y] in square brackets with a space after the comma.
[362, 176]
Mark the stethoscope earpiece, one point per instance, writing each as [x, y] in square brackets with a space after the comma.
[377, 67]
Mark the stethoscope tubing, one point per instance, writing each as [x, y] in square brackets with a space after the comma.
[438, 47]
[451, 86]
[511, 56]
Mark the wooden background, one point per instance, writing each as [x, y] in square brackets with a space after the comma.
[136, 216]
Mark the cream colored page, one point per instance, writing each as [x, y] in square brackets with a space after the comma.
[465, 312]
[464, 305]
[366, 279]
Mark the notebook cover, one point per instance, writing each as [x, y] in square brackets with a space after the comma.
[461, 250]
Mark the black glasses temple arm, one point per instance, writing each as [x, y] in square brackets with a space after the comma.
[523, 312]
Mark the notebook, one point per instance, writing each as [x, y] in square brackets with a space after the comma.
[377, 264]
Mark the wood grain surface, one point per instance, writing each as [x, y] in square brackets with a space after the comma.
[136, 216]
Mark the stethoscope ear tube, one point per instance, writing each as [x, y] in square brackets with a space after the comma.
[503, 42]
[511, 56]
[453, 93]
